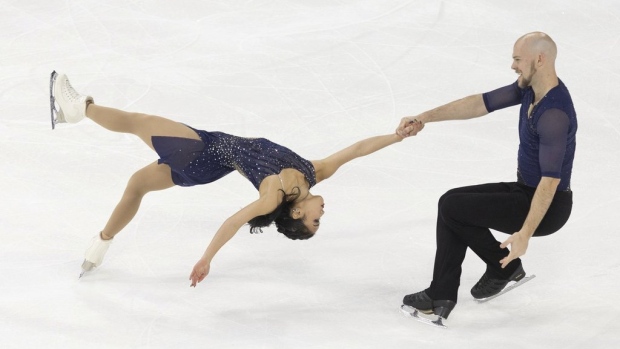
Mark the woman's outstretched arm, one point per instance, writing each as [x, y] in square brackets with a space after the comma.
[325, 168]
[228, 229]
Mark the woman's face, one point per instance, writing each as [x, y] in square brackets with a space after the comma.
[311, 210]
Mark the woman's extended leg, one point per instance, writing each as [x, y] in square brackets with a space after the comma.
[152, 177]
[73, 108]
[142, 125]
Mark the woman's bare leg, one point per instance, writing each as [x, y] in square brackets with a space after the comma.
[142, 125]
[150, 178]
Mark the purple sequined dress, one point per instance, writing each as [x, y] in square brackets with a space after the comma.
[217, 154]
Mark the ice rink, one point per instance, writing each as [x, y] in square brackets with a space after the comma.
[314, 76]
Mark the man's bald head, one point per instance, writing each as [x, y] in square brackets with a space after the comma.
[533, 58]
[539, 43]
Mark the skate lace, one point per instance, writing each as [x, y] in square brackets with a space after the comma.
[70, 93]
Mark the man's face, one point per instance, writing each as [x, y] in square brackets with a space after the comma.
[523, 64]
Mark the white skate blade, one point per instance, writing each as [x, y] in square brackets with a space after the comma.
[507, 289]
[86, 267]
[419, 316]
[53, 109]
[56, 114]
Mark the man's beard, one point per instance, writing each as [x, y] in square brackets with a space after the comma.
[526, 82]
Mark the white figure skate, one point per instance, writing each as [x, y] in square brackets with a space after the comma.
[95, 253]
[72, 105]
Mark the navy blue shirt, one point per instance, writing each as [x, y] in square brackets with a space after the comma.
[546, 135]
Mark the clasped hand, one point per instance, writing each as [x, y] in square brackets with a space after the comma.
[409, 126]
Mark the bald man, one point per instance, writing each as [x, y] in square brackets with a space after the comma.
[538, 203]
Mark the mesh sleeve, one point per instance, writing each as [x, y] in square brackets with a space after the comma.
[503, 97]
[552, 129]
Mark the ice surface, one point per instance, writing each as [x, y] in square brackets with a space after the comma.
[315, 76]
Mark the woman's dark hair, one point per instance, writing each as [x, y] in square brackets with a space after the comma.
[292, 228]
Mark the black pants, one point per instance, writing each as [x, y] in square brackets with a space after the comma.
[464, 219]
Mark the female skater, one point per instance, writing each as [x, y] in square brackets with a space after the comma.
[189, 157]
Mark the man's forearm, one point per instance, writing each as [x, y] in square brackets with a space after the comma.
[461, 109]
[545, 191]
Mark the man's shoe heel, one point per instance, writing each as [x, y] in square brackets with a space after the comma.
[443, 308]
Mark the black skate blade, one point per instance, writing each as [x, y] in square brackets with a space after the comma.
[420, 316]
[507, 289]
[53, 110]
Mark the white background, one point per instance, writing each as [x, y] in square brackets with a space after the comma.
[315, 76]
